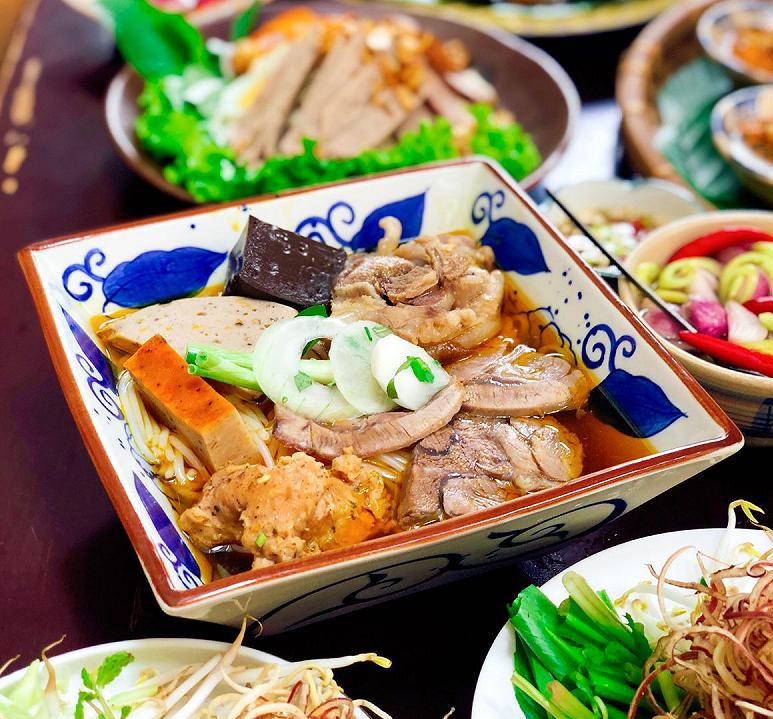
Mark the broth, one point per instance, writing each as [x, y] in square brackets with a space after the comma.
[603, 445]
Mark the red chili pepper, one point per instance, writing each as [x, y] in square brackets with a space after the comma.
[714, 242]
[730, 353]
[760, 305]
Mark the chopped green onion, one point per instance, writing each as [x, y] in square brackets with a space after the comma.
[420, 370]
[390, 390]
[368, 334]
[243, 359]
[319, 370]
[227, 373]
[381, 331]
[302, 381]
[260, 540]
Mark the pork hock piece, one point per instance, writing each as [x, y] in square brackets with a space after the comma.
[478, 462]
[292, 510]
[441, 293]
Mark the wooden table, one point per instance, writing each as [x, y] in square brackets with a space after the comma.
[67, 566]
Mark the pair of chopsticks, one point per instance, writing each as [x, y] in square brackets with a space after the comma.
[644, 289]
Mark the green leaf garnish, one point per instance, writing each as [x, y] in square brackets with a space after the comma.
[245, 21]
[88, 682]
[302, 381]
[156, 43]
[391, 391]
[313, 311]
[111, 667]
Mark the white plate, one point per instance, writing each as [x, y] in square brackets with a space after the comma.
[616, 569]
[158, 654]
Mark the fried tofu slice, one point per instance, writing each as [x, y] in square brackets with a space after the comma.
[187, 404]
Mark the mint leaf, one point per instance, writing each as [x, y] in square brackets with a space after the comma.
[245, 21]
[88, 682]
[420, 370]
[111, 667]
[302, 381]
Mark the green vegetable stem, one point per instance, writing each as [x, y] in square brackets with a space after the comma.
[578, 660]
[92, 693]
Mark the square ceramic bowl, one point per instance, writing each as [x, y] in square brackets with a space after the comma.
[76, 278]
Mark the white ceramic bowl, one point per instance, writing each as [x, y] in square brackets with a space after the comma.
[748, 399]
[716, 32]
[660, 200]
[72, 279]
[727, 119]
[160, 655]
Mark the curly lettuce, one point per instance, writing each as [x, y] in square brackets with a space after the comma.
[175, 134]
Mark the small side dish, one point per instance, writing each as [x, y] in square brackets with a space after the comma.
[733, 266]
[308, 98]
[679, 631]
[742, 130]
[738, 34]
[155, 679]
[721, 283]
[620, 214]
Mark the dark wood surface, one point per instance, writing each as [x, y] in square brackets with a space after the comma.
[66, 564]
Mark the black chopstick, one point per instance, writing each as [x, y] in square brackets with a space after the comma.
[648, 291]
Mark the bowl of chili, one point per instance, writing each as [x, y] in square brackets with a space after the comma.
[739, 374]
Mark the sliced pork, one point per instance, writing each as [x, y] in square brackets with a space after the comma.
[438, 292]
[519, 382]
[343, 59]
[256, 134]
[478, 462]
[368, 436]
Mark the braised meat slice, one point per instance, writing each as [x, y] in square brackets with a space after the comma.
[292, 510]
[368, 436]
[343, 59]
[519, 382]
[478, 462]
[438, 292]
[256, 135]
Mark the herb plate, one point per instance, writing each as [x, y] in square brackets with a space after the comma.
[616, 570]
[160, 655]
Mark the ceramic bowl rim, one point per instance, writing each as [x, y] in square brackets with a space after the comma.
[752, 385]
[708, 21]
[176, 600]
[721, 136]
[629, 185]
[136, 159]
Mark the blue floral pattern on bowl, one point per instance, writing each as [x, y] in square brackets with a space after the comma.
[179, 256]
